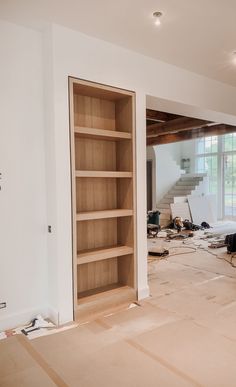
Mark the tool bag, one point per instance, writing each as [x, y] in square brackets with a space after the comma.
[230, 241]
[153, 223]
[154, 217]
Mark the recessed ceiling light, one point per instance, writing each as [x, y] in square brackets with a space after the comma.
[157, 15]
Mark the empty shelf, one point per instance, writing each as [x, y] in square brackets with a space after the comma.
[109, 298]
[101, 133]
[101, 254]
[115, 174]
[103, 214]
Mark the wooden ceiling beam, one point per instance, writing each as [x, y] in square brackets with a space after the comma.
[207, 131]
[176, 125]
[154, 115]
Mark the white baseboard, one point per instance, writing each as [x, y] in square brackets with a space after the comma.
[143, 293]
[9, 321]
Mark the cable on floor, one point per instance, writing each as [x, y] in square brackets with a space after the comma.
[194, 247]
[158, 258]
[200, 247]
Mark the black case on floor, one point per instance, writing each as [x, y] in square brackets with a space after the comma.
[230, 241]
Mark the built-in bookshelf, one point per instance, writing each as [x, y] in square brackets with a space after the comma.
[103, 195]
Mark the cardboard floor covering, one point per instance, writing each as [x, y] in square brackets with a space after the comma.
[183, 335]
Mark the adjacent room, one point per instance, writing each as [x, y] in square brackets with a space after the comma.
[118, 193]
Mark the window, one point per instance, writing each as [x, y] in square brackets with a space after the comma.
[207, 145]
[229, 173]
[229, 142]
[206, 161]
[216, 156]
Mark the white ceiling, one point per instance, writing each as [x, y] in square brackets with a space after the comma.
[198, 35]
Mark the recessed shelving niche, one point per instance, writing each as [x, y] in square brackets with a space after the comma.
[103, 196]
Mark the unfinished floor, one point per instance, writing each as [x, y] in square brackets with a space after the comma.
[183, 335]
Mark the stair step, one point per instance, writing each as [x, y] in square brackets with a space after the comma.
[164, 210]
[178, 193]
[193, 179]
[166, 200]
[186, 183]
[188, 187]
[164, 216]
[182, 188]
[162, 206]
[173, 194]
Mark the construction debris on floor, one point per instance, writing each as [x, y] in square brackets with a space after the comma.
[201, 239]
[37, 327]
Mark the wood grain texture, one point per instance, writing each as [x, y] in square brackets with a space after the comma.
[154, 115]
[103, 214]
[73, 194]
[106, 299]
[85, 87]
[177, 125]
[112, 174]
[96, 194]
[101, 134]
[94, 113]
[104, 187]
[97, 274]
[207, 131]
[95, 234]
[102, 254]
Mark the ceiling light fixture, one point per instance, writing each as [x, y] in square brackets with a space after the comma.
[157, 15]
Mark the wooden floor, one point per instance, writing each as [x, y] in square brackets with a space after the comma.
[184, 335]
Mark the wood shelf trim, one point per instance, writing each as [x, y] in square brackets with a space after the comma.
[103, 134]
[108, 293]
[101, 254]
[93, 215]
[114, 174]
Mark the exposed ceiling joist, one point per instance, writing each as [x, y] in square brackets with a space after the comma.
[207, 131]
[153, 115]
[176, 125]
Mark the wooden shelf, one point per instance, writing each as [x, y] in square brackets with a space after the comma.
[101, 254]
[103, 214]
[102, 134]
[103, 300]
[113, 174]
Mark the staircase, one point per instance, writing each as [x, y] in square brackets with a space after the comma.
[186, 185]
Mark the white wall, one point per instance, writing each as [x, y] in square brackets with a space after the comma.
[85, 57]
[188, 152]
[23, 254]
[168, 169]
[174, 150]
[51, 176]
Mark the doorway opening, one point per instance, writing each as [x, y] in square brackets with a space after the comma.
[195, 156]
[183, 146]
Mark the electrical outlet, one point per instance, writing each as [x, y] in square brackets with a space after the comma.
[3, 305]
